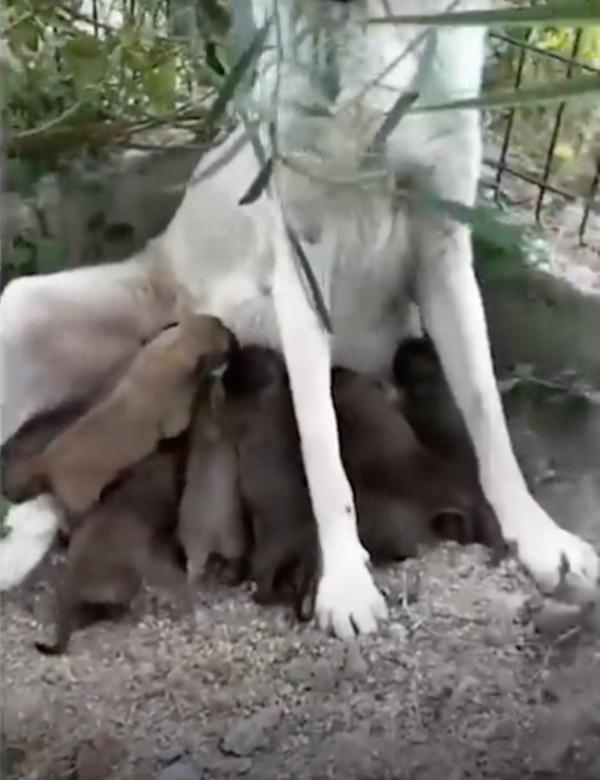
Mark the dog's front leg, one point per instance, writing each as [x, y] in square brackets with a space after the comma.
[348, 600]
[453, 314]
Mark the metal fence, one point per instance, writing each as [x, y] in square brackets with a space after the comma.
[542, 179]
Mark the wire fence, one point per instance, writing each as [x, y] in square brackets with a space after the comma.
[542, 178]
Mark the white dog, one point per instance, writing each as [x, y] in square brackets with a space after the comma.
[371, 251]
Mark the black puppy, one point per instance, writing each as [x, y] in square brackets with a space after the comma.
[261, 424]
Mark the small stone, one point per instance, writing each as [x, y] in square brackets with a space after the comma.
[230, 765]
[398, 632]
[355, 664]
[181, 769]
[251, 734]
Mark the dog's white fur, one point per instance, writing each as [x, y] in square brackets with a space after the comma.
[32, 527]
[60, 334]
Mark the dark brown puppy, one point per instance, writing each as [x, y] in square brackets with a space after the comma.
[211, 527]
[261, 423]
[428, 404]
[128, 537]
[429, 407]
[150, 402]
[383, 457]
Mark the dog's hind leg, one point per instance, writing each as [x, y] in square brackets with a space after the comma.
[63, 334]
[453, 314]
[347, 598]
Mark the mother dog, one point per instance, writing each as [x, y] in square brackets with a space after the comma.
[372, 253]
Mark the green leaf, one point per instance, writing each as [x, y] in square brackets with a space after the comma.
[564, 13]
[83, 46]
[51, 255]
[395, 114]
[21, 258]
[549, 93]
[26, 34]
[160, 84]
[260, 183]
[486, 222]
[84, 57]
[237, 73]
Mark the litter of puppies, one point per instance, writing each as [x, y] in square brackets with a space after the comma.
[179, 466]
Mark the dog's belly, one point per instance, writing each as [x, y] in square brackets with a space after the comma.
[369, 311]
[221, 255]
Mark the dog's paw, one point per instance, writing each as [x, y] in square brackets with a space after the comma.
[562, 564]
[348, 602]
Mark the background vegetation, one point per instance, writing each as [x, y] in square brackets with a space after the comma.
[79, 80]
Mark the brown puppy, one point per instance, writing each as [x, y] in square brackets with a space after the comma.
[125, 539]
[18, 481]
[384, 457]
[152, 401]
[210, 514]
[405, 495]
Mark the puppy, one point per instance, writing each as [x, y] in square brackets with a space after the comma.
[125, 539]
[428, 405]
[210, 522]
[19, 481]
[261, 423]
[384, 457]
[405, 495]
[152, 401]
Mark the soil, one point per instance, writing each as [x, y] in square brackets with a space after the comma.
[460, 684]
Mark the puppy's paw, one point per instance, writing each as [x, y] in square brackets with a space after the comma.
[562, 564]
[348, 601]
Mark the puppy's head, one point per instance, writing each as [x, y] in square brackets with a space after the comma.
[416, 364]
[254, 371]
[208, 334]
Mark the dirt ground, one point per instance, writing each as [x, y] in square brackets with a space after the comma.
[460, 684]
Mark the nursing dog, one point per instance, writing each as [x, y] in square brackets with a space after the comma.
[351, 195]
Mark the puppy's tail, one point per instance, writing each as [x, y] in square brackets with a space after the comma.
[32, 527]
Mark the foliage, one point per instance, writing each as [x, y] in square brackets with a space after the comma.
[72, 82]
[75, 81]
[5, 529]
[576, 150]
